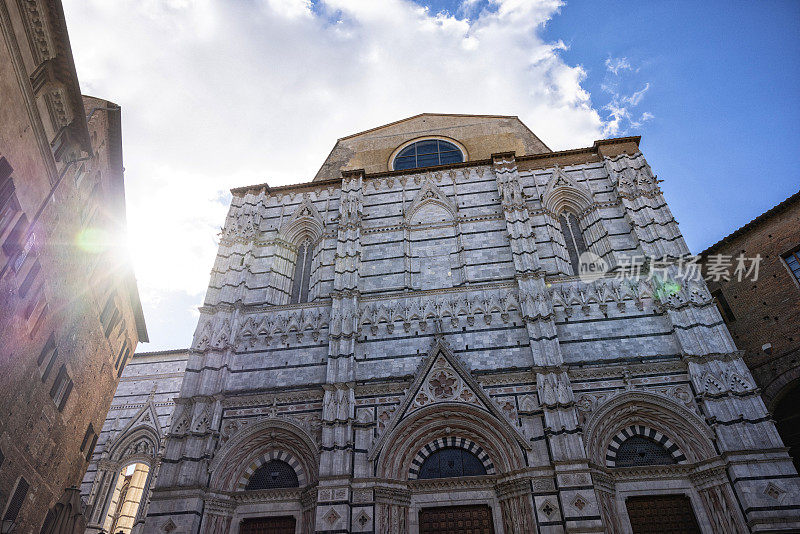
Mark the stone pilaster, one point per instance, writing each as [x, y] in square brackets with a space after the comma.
[645, 208]
[391, 510]
[758, 465]
[555, 391]
[338, 415]
[195, 425]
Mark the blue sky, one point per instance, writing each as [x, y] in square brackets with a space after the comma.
[218, 94]
[724, 88]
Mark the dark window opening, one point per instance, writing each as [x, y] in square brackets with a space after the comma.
[29, 279]
[573, 239]
[787, 421]
[90, 439]
[427, 153]
[273, 475]
[451, 462]
[50, 354]
[302, 273]
[723, 306]
[124, 361]
[13, 242]
[639, 450]
[62, 387]
[17, 500]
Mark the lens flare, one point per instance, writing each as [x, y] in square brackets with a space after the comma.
[92, 240]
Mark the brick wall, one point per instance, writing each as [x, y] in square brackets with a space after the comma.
[766, 310]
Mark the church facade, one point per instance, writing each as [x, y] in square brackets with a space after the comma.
[407, 343]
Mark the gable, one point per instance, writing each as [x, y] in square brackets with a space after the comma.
[442, 379]
[480, 135]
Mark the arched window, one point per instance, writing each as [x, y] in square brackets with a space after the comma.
[573, 239]
[787, 420]
[126, 498]
[451, 462]
[427, 153]
[272, 475]
[639, 450]
[302, 273]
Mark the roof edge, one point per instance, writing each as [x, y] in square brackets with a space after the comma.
[432, 114]
[775, 210]
[472, 163]
[160, 352]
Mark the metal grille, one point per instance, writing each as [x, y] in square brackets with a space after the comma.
[451, 462]
[268, 525]
[17, 500]
[272, 475]
[456, 520]
[661, 514]
[638, 450]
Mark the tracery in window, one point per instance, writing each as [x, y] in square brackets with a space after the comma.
[639, 450]
[573, 239]
[451, 462]
[427, 153]
[272, 475]
[302, 273]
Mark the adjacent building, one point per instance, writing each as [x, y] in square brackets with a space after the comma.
[70, 315]
[131, 442]
[763, 315]
[413, 341]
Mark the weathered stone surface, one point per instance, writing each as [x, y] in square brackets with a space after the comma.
[444, 313]
[61, 214]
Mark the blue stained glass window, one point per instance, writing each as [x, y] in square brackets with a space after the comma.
[427, 153]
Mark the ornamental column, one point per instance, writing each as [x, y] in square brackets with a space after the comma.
[573, 481]
[338, 413]
[759, 467]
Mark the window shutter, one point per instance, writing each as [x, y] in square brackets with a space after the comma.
[17, 500]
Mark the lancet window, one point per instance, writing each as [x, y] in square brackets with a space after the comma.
[302, 273]
[573, 239]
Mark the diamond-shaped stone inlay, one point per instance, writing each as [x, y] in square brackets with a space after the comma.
[547, 508]
[362, 519]
[332, 516]
[773, 491]
[169, 526]
[579, 502]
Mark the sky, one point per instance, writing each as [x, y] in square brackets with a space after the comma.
[217, 94]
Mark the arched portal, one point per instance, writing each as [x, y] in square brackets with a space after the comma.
[454, 461]
[638, 435]
[126, 498]
[267, 469]
[787, 420]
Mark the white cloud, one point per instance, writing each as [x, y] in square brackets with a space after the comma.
[615, 65]
[219, 94]
[619, 112]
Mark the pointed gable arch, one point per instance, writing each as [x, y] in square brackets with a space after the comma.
[430, 196]
[305, 223]
[442, 380]
[565, 194]
[575, 223]
[140, 439]
[634, 409]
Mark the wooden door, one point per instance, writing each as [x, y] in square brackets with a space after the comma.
[662, 514]
[456, 520]
[268, 525]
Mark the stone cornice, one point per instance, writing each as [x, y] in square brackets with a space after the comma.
[595, 149]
